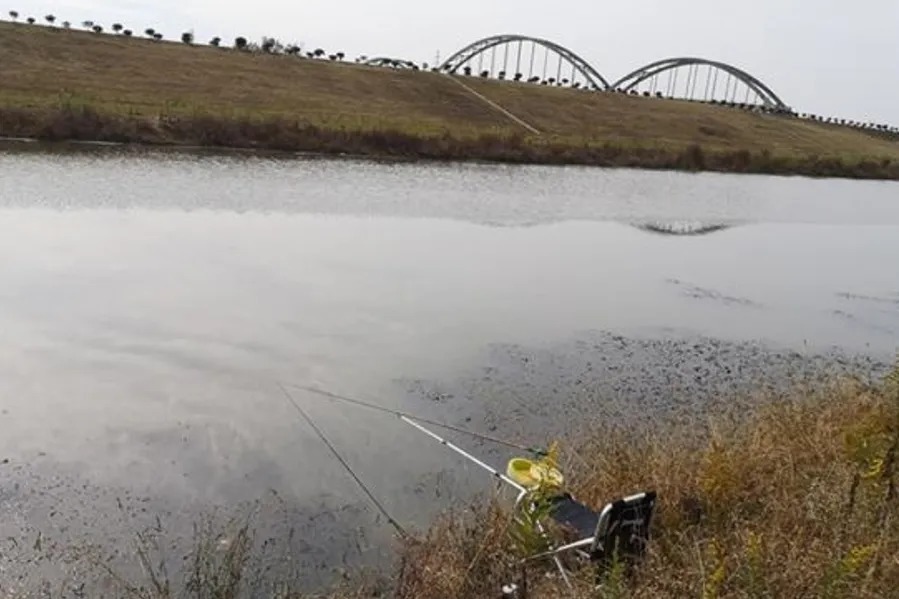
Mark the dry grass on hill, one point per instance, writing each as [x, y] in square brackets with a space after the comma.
[134, 76]
[672, 123]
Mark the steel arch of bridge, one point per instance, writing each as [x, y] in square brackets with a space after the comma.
[632, 80]
[457, 60]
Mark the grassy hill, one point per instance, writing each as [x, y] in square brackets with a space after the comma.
[62, 84]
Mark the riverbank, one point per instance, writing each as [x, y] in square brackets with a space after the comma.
[282, 135]
[75, 85]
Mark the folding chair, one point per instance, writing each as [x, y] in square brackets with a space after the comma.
[619, 532]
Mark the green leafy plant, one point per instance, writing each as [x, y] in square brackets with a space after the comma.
[527, 531]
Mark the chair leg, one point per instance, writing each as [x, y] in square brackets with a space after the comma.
[562, 571]
[556, 560]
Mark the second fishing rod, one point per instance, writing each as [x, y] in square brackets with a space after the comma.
[537, 451]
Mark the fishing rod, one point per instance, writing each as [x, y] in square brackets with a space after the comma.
[464, 454]
[522, 491]
[537, 451]
[321, 435]
[411, 420]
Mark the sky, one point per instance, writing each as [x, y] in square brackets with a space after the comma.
[828, 57]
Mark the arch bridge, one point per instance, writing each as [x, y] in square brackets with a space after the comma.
[524, 58]
[536, 60]
[702, 79]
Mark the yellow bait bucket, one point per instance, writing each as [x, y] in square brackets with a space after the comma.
[531, 475]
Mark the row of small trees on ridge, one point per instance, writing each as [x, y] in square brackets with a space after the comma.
[118, 28]
[267, 45]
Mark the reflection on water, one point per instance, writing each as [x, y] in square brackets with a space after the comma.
[683, 229]
[150, 303]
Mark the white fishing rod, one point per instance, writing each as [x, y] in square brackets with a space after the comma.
[496, 473]
[403, 417]
[522, 491]
[411, 421]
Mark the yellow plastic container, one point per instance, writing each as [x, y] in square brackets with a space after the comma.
[530, 474]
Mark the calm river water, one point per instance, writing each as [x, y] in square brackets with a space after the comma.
[150, 303]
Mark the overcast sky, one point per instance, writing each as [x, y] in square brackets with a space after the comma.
[824, 56]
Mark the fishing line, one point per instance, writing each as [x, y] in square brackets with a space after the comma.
[399, 528]
[534, 450]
